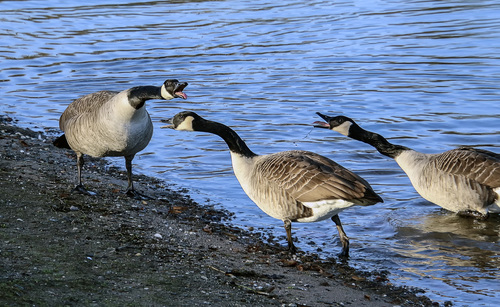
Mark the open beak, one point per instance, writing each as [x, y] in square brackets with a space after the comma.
[178, 91]
[169, 122]
[320, 124]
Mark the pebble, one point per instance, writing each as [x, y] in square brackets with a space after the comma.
[158, 236]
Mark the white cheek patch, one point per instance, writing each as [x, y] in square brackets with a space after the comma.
[186, 124]
[165, 94]
[343, 128]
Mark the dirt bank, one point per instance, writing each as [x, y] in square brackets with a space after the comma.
[60, 248]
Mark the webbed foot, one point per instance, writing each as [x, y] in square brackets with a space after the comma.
[81, 189]
[137, 195]
[344, 254]
[292, 249]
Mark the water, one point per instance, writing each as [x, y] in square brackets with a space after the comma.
[424, 73]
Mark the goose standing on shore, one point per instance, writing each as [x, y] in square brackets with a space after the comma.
[113, 124]
[293, 186]
[463, 180]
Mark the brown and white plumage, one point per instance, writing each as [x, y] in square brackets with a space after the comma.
[107, 123]
[292, 184]
[295, 185]
[463, 180]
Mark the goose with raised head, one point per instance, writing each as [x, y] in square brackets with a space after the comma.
[293, 186]
[463, 180]
[107, 123]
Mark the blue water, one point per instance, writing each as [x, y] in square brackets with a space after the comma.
[425, 74]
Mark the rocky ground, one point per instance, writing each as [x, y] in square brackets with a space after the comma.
[60, 248]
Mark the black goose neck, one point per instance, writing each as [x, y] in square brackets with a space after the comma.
[138, 95]
[376, 140]
[232, 139]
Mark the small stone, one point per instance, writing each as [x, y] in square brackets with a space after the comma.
[158, 236]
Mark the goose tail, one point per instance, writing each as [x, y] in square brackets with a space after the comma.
[61, 142]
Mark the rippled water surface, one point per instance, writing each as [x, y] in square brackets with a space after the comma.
[424, 73]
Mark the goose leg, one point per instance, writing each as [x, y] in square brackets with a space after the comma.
[288, 228]
[131, 192]
[79, 187]
[343, 237]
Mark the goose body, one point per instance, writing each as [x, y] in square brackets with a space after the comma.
[462, 180]
[293, 186]
[300, 186]
[104, 124]
[108, 123]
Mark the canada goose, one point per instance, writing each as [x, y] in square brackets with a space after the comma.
[463, 180]
[293, 186]
[106, 123]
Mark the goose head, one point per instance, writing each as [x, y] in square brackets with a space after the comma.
[172, 88]
[341, 124]
[185, 121]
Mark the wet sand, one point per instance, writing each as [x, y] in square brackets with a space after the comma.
[62, 248]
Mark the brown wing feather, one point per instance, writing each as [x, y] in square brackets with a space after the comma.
[481, 166]
[85, 104]
[308, 177]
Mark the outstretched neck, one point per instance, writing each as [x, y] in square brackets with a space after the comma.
[232, 139]
[376, 140]
[138, 95]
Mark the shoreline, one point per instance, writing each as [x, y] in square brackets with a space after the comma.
[61, 248]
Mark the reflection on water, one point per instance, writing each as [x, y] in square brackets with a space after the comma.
[460, 252]
[453, 242]
[425, 74]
